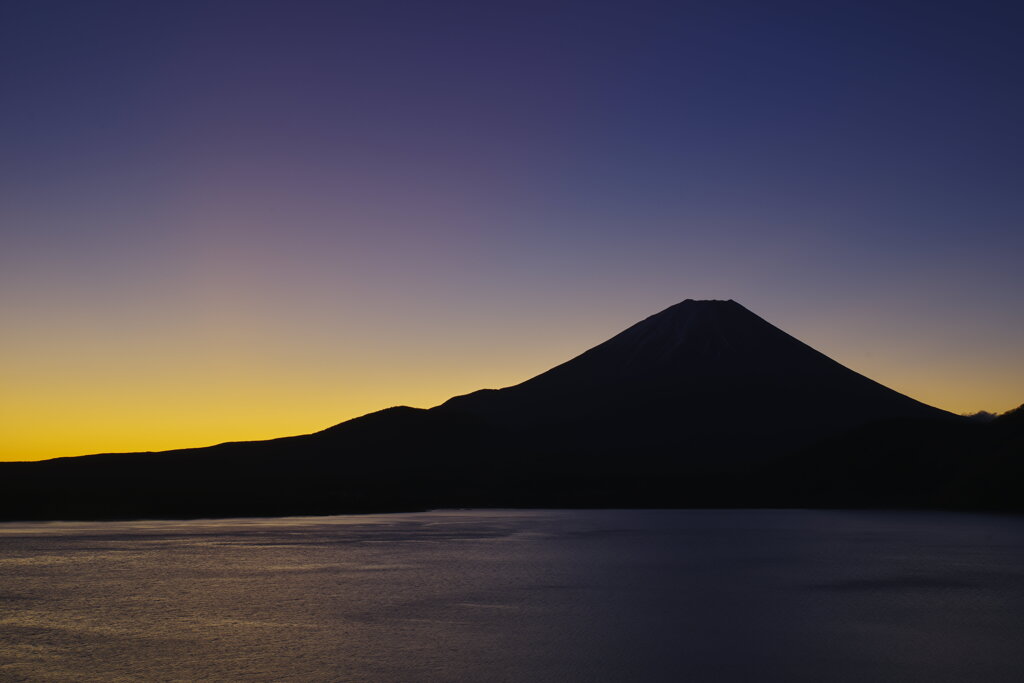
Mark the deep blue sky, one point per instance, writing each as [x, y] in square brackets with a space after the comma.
[309, 210]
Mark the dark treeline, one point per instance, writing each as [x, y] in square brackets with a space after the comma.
[408, 459]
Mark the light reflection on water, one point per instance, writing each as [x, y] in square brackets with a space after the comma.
[487, 595]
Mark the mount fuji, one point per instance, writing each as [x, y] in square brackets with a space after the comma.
[708, 379]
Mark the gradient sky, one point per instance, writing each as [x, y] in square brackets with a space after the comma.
[239, 220]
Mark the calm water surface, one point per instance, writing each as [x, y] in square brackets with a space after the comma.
[518, 596]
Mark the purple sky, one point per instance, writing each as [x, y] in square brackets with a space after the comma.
[233, 220]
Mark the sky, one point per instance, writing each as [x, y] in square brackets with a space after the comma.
[233, 220]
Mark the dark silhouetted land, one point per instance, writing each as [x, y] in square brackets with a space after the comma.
[702, 405]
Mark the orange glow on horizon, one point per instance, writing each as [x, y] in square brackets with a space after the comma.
[123, 401]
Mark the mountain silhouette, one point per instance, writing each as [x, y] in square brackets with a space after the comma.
[701, 405]
[707, 377]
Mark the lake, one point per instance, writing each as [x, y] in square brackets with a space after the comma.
[514, 595]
